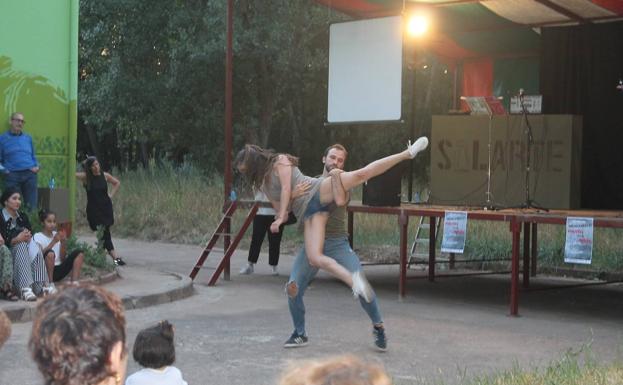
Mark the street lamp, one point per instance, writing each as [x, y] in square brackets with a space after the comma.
[417, 25]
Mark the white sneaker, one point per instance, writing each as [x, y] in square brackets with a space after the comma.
[246, 270]
[275, 272]
[49, 289]
[28, 295]
[361, 287]
[420, 144]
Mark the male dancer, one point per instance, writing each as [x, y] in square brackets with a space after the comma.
[336, 246]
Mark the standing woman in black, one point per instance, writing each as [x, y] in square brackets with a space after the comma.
[99, 201]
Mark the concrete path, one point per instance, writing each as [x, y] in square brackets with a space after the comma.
[138, 287]
[449, 331]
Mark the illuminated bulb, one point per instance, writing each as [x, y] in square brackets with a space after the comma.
[417, 25]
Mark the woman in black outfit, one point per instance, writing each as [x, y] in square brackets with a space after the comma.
[99, 202]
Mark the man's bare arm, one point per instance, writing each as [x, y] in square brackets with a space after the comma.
[340, 196]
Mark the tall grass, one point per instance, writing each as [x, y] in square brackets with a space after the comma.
[574, 368]
[162, 202]
[182, 204]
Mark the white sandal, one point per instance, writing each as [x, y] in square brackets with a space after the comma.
[28, 295]
[49, 289]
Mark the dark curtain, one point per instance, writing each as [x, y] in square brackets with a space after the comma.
[580, 69]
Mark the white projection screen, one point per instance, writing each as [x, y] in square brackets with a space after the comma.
[365, 71]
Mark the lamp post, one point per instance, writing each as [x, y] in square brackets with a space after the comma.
[416, 27]
[227, 173]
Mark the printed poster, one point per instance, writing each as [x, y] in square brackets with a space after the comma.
[454, 232]
[579, 240]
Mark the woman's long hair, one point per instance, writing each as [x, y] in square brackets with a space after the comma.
[86, 165]
[257, 162]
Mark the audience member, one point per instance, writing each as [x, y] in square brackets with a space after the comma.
[78, 337]
[53, 245]
[29, 274]
[154, 350]
[18, 161]
[343, 370]
[261, 226]
[7, 290]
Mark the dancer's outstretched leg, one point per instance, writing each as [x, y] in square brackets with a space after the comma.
[355, 178]
[314, 231]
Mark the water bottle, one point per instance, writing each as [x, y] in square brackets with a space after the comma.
[232, 195]
[52, 183]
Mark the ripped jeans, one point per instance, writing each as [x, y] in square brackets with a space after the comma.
[302, 273]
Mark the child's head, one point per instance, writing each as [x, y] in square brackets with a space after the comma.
[48, 219]
[153, 347]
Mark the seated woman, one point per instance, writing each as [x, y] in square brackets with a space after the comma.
[277, 175]
[53, 246]
[29, 274]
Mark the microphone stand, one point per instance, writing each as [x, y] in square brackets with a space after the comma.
[529, 203]
[489, 203]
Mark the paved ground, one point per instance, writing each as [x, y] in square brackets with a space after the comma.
[449, 330]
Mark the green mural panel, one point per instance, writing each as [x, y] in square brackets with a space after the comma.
[53, 166]
[38, 77]
[35, 34]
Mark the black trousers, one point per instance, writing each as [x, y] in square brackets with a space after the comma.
[261, 226]
[107, 239]
[62, 270]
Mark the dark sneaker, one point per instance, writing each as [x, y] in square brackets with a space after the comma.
[380, 341]
[295, 341]
[119, 262]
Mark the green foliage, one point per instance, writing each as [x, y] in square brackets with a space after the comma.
[574, 368]
[94, 257]
[164, 202]
[151, 77]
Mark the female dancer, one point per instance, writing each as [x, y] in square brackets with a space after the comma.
[277, 175]
[99, 201]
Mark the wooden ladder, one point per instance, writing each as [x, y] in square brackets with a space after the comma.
[228, 251]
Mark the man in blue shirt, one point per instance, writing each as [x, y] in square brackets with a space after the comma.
[18, 162]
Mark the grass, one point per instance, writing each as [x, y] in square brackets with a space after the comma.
[181, 204]
[574, 368]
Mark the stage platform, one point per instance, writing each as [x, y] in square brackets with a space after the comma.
[518, 220]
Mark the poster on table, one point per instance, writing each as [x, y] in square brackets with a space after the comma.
[454, 232]
[579, 240]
